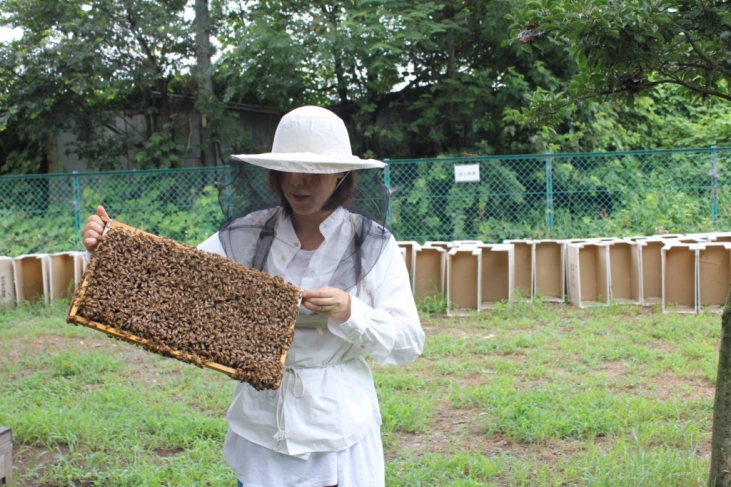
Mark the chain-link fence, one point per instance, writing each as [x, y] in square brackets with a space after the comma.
[503, 197]
[562, 195]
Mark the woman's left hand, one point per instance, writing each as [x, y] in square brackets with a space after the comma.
[328, 301]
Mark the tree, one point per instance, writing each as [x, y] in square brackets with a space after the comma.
[345, 55]
[79, 61]
[203, 51]
[410, 78]
[625, 49]
[414, 78]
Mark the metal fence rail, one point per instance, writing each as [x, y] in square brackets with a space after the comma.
[537, 196]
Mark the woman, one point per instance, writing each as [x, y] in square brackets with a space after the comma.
[321, 232]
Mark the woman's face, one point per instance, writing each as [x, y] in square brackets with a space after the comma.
[308, 193]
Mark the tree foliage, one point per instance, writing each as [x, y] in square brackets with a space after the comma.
[624, 49]
[79, 62]
[410, 78]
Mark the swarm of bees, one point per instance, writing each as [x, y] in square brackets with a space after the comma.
[181, 302]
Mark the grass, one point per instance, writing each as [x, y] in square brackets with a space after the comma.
[532, 394]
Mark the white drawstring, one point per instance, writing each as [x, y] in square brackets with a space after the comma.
[341, 181]
[298, 390]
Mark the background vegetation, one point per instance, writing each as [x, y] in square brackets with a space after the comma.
[611, 194]
[410, 78]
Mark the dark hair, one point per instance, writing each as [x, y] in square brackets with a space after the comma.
[341, 196]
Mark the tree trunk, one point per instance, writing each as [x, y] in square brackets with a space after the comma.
[205, 83]
[721, 437]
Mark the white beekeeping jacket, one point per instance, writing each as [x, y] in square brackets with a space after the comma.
[327, 400]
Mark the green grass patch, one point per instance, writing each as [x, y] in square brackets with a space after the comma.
[522, 395]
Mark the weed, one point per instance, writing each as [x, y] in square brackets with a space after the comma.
[433, 304]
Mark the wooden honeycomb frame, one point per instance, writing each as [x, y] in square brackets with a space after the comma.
[249, 344]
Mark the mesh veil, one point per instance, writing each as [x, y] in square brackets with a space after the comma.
[249, 240]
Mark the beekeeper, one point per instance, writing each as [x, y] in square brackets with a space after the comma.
[318, 221]
[312, 212]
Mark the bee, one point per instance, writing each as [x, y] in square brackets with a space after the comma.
[177, 301]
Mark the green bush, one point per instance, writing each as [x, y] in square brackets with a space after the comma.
[532, 196]
[189, 220]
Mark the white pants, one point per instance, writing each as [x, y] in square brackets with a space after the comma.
[361, 465]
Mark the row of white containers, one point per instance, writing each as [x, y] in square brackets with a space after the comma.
[40, 277]
[681, 273]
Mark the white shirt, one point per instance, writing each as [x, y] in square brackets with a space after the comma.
[327, 400]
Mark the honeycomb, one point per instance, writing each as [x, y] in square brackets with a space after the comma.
[181, 302]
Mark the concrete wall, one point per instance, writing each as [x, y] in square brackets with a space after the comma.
[258, 124]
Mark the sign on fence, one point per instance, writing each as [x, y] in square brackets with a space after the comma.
[465, 173]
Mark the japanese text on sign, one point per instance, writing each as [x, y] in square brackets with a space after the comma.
[466, 173]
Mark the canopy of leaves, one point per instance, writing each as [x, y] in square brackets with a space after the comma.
[628, 48]
[410, 78]
[78, 62]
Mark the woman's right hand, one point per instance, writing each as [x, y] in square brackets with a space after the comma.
[93, 229]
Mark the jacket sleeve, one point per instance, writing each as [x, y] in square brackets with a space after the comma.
[384, 321]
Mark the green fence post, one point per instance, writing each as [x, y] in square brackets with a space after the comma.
[77, 208]
[714, 185]
[549, 192]
[387, 182]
